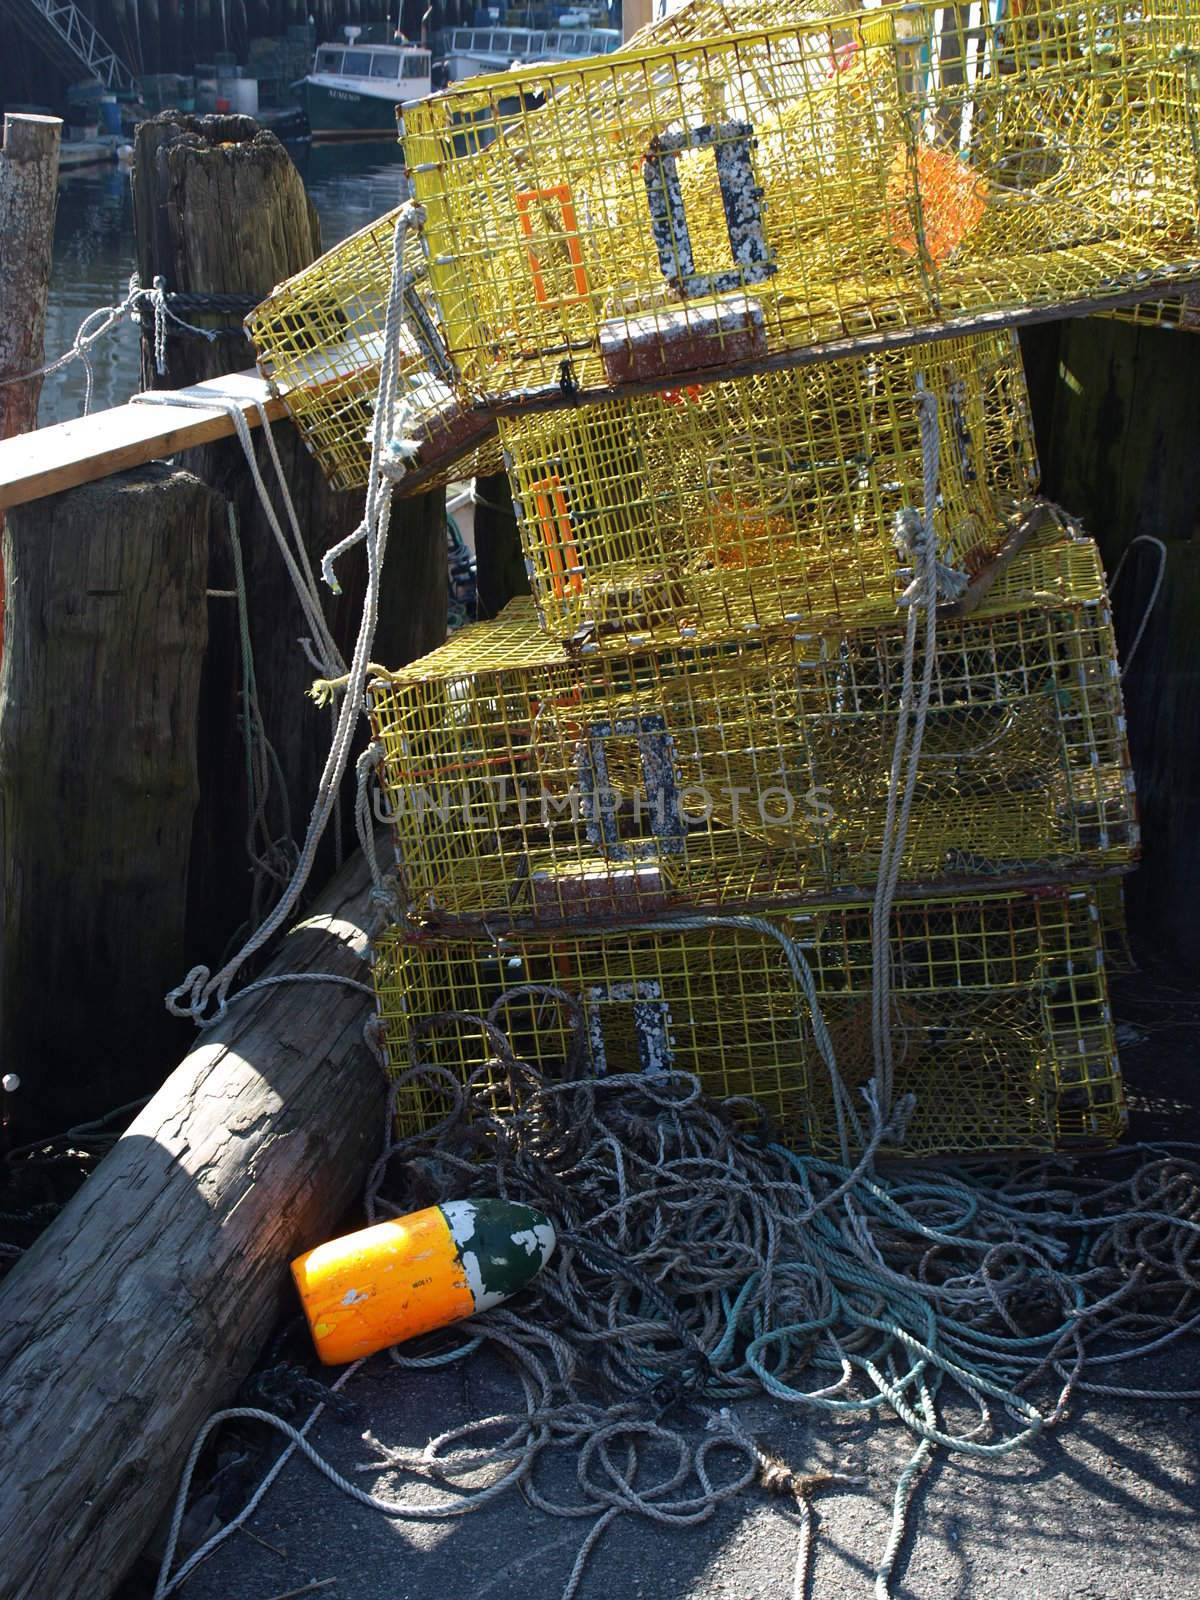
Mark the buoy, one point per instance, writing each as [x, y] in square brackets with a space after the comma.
[412, 1274]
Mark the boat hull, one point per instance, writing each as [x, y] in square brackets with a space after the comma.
[335, 113]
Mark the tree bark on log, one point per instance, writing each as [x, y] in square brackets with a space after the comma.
[144, 1305]
[98, 785]
[219, 207]
[28, 201]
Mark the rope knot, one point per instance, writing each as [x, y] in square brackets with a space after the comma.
[193, 990]
[915, 539]
[397, 457]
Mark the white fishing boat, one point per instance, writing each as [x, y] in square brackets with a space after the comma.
[354, 88]
[466, 52]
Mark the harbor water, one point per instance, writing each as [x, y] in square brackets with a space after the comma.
[350, 184]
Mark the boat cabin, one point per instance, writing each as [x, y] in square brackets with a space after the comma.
[386, 63]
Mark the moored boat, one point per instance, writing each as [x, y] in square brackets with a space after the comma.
[354, 88]
[466, 52]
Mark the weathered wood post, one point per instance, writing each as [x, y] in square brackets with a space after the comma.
[143, 1306]
[220, 208]
[499, 564]
[28, 201]
[98, 695]
[1118, 449]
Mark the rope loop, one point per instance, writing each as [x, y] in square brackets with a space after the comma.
[374, 530]
[704, 1266]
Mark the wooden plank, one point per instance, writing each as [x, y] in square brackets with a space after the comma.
[70, 453]
[981, 585]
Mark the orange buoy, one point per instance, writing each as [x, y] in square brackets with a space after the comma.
[412, 1274]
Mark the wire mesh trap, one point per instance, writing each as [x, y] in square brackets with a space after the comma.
[1114, 927]
[1180, 314]
[772, 191]
[704, 19]
[999, 1012]
[767, 498]
[524, 782]
[319, 339]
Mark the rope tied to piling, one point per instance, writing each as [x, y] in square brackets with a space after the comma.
[157, 306]
[203, 995]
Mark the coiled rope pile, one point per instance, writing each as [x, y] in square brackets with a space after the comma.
[702, 1261]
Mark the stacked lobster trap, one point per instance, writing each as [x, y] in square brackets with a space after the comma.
[803, 767]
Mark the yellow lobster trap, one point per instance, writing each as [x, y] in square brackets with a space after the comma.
[320, 339]
[800, 188]
[528, 784]
[1180, 314]
[767, 498]
[999, 1014]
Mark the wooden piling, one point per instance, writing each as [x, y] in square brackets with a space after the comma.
[220, 208]
[28, 200]
[1118, 410]
[500, 573]
[98, 786]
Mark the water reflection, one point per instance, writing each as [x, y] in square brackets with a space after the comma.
[93, 256]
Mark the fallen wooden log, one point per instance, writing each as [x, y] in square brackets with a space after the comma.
[144, 1305]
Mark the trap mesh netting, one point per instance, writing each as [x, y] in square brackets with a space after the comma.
[320, 338]
[999, 1014]
[767, 498]
[525, 782]
[768, 192]
[1181, 313]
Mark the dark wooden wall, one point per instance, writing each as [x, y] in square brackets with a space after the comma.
[1117, 416]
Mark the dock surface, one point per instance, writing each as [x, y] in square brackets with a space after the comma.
[1106, 1507]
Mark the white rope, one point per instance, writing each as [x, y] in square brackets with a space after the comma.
[299, 1440]
[906, 752]
[595, 1429]
[1156, 587]
[296, 561]
[294, 977]
[106, 318]
[391, 456]
[778, 1270]
[202, 990]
